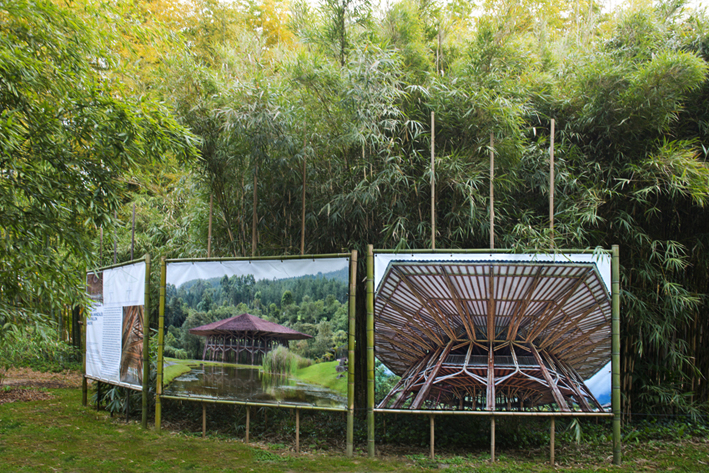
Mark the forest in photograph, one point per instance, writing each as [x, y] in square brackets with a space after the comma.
[239, 337]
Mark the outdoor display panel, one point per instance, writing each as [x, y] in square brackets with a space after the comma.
[492, 332]
[259, 331]
[115, 325]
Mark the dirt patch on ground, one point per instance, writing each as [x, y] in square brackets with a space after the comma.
[28, 378]
[24, 384]
[23, 395]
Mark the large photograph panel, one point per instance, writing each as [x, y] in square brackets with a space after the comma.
[492, 331]
[114, 328]
[271, 331]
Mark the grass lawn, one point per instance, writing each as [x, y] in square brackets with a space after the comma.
[61, 435]
[324, 374]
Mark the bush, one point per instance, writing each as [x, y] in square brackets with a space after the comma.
[282, 361]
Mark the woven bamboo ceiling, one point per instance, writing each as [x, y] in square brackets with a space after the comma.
[561, 308]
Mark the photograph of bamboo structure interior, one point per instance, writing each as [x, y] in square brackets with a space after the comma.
[492, 335]
[243, 333]
[132, 345]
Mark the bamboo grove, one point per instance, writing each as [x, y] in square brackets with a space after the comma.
[314, 122]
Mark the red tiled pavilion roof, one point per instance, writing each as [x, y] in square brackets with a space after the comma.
[248, 323]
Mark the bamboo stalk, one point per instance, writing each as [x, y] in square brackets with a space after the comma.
[161, 344]
[433, 181]
[209, 232]
[146, 344]
[302, 215]
[492, 193]
[115, 240]
[551, 183]
[254, 219]
[370, 350]
[351, 354]
[615, 354]
[204, 420]
[132, 235]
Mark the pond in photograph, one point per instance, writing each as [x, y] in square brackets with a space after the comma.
[240, 383]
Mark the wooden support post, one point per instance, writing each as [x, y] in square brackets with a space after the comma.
[433, 433]
[370, 350]
[248, 414]
[204, 419]
[127, 403]
[552, 433]
[297, 431]
[615, 352]
[98, 395]
[161, 343]
[492, 439]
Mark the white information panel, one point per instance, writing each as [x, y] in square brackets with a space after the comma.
[114, 330]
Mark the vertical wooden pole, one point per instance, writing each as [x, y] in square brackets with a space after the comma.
[204, 419]
[132, 234]
[351, 355]
[161, 344]
[433, 434]
[209, 231]
[492, 439]
[302, 213]
[615, 353]
[297, 431]
[552, 434]
[98, 395]
[146, 345]
[551, 182]
[370, 350]
[127, 403]
[248, 419]
[492, 192]
[433, 181]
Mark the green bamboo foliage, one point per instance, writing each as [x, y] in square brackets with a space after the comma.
[629, 95]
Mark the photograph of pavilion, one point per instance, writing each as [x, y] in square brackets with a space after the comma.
[244, 338]
[514, 332]
[257, 330]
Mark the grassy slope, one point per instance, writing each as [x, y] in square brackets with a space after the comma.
[324, 374]
[61, 435]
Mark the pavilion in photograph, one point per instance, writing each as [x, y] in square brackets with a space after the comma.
[243, 333]
[492, 335]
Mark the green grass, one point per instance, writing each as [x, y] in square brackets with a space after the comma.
[61, 435]
[324, 374]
